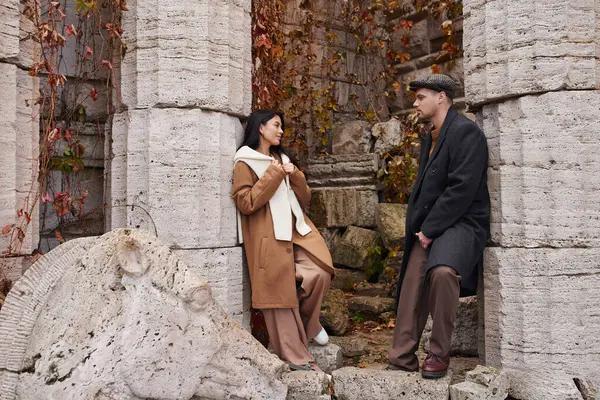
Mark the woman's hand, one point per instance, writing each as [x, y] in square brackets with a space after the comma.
[289, 168]
[277, 164]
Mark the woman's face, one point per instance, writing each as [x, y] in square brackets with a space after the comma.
[271, 131]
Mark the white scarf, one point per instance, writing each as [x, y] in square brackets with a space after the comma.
[282, 204]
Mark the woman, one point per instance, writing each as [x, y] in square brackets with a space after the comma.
[290, 264]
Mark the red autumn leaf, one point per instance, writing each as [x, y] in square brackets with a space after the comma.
[20, 213]
[94, 94]
[6, 229]
[27, 217]
[436, 69]
[88, 53]
[71, 31]
[107, 64]
[263, 40]
[46, 198]
[62, 203]
[59, 237]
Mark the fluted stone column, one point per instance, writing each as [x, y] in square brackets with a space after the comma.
[185, 81]
[532, 71]
[19, 131]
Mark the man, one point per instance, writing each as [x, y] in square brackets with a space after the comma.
[447, 226]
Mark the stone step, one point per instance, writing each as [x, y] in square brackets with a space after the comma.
[372, 289]
[307, 385]
[328, 357]
[351, 345]
[352, 383]
[370, 307]
[345, 279]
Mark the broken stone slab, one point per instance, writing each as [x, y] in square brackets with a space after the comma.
[121, 317]
[328, 357]
[372, 289]
[334, 312]
[341, 207]
[354, 170]
[346, 279]
[465, 341]
[307, 385]
[370, 307]
[352, 250]
[351, 346]
[352, 137]
[533, 384]
[388, 135]
[482, 383]
[391, 223]
[352, 383]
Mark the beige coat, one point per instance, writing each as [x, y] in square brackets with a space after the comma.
[271, 261]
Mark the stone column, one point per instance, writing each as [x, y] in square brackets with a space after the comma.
[532, 71]
[19, 132]
[185, 81]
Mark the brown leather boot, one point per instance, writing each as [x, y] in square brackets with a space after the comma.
[435, 367]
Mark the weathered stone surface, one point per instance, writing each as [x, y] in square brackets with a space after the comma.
[372, 289]
[19, 135]
[334, 312]
[541, 152]
[356, 170]
[336, 207]
[346, 279]
[482, 383]
[370, 306]
[121, 316]
[306, 385]
[351, 346]
[221, 269]
[588, 389]
[352, 249]
[534, 384]
[541, 45]
[391, 223]
[352, 137]
[188, 56]
[541, 309]
[465, 340]
[164, 151]
[328, 357]
[388, 135]
[9, 28]
[418, 39]
[352, 383]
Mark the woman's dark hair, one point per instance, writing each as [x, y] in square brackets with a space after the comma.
[252, 132]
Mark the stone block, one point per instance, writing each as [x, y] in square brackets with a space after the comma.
[9, 28]
[542, 153]
[391, 223]
[19, 135]
[120, 316]
[351, 346]
[482, 383]
[334, 312]
[222, 268]
[465, 341]
[532, 384]
[184, 151]
[182, 56]
[351, 137]
[388, 135]
[345, 279]
[372, 289]
[352, 383]
[355, 170]
[370, 307]
[328, 357]
[306, 385]
[543, 45]
[352, 250]
[418, 39]
[541, 308]
[339, 208]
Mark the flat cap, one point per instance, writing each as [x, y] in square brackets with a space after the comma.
[436, 82]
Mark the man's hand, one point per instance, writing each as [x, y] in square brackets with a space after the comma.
[424, 240]
[288, 168]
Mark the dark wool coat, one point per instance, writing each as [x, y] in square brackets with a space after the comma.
[450, 202]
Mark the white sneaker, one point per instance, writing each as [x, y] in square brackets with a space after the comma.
[322, 338]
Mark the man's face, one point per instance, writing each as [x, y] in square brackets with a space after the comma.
[426, 103]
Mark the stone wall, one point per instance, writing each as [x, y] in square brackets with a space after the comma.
[186, 80]
[532, 72]
[18, 130]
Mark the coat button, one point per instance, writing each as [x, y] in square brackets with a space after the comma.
[433, 170]
[426, 206]
[288, 250]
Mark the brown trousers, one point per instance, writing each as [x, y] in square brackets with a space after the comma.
[290, 328]
[438, 293]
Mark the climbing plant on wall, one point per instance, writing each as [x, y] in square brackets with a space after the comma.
[77, 42]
